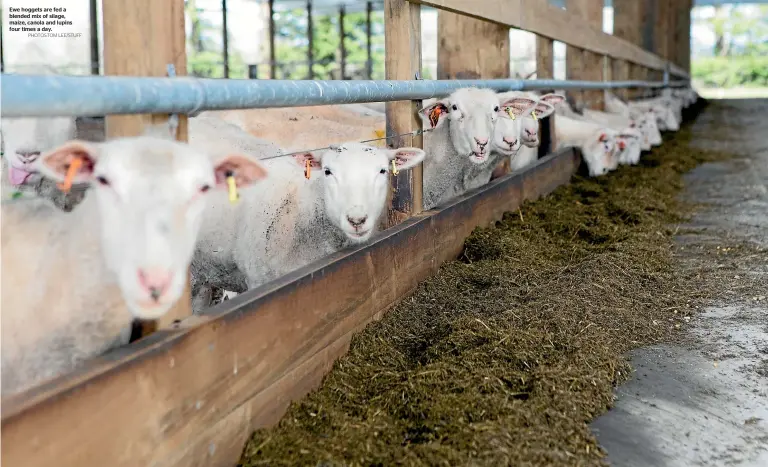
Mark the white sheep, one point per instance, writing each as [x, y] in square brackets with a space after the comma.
[73, 282]
[597, 143]
[458, 146]
[645, 122]
[289, 221]
[665, 117]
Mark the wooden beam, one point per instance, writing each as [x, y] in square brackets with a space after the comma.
[584, 64]
[541, 18]
[661, 31]
[459, 39]
[402, 49]
[342, 49]
[629, 23]
[129, 26]
[225, 38]
[272, 51]
[193, 396]
[94, 23]
[682, 43]
[545, 69]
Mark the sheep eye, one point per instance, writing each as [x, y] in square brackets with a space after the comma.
[383, 171]
[496, 109]
[327, 172]
[454, 107]
[205, 188]
[102, 180]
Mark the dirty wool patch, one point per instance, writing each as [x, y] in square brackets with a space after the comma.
[504, 356]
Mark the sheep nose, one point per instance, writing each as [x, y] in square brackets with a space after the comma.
[531, 132]
[510, 143]
[155, 281]
[357, 221]
[27, 156]
[622, 145]
[481, 142]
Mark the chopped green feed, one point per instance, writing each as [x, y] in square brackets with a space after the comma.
[506, 355]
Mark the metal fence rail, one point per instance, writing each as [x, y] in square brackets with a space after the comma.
[54, 95]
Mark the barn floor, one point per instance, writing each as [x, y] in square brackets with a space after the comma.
[704, 400]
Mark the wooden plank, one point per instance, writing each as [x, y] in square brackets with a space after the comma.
[545, 69]
[620, 72]
[402, 60]
[458, 40]
[583, 64]
[549, 21]
[661, 28]
[141, 37]
[192, 395]
[682, 42]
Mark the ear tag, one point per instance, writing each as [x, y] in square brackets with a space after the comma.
[434, 115]
[379, 133]
[509, 112]
[533, 114]
[394, 168]
[232, 187]
[307, 169]
[74, 166]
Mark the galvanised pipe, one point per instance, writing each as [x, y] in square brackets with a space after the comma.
[56, 95]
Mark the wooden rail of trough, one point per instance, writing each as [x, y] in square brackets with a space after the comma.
[193, 394]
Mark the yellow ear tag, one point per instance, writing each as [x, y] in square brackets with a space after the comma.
[394, 168]
[533, 114]
[307, 169]
[233, 197]
[379, 133]
[509, 112]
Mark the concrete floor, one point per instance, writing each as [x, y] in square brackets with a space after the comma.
[704, 400]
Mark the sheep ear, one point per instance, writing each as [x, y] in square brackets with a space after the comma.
[245, 169]
[553, 99]
[405, 158]
[435, 113]
[517, 106]
[56, 164]
[314, 157]
[544, 109]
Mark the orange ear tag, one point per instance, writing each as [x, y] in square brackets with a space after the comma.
[74, 166]
[307, 169]
[434, 115]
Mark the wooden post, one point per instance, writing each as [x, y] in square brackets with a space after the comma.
[310, 39]
[402, 57]
[582, 64]
[94, 14]
[545, 69]
[459, 39]
[225, 37]
[368, 34]
[628, 24]
[620, 71]
[682, 41]
[129, 25]
[272, 60]
[661, 28]
[342, 50]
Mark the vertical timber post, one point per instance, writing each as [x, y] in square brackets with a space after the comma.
[402, 37]
[628, 24]
[583, 64]
[545, 69]
[94, 16]
[128, 26]
[459, 38]
[272, 60]
[342, 49]
[225, 38]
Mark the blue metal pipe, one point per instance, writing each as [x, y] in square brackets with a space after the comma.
[56, 95]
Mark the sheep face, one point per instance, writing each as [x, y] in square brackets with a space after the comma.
[24, 139]
[628, 143]
[356, 183]
[150, 194]
[600, 152]
[530, 126]
[472, 114]
[508, 132]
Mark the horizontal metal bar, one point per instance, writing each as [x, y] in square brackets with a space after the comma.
[56, 95]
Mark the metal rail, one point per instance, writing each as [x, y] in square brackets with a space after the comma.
[57, 95]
